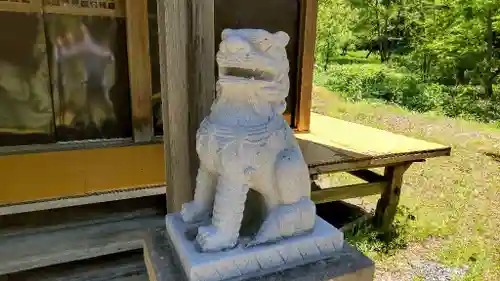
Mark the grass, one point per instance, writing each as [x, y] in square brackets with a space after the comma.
[450, 205]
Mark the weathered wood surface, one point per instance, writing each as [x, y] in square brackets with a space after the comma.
[127, 266]
[50, 247]
[388, 203]
[52, 220]
[93, 198]
[34, 6]
[139, 65]
[83, 10]
[173, 36]
[186, 39]
[349, 265]
[201, 69]
[334, 145]
[308, 16]
[330, 194]
[78, 172]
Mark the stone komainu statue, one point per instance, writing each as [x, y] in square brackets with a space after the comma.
[245, 143]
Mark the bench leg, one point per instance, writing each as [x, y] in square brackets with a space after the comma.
[388, 203]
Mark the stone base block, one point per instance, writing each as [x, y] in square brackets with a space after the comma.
[337, 264]
[347, 265]
[242, 262]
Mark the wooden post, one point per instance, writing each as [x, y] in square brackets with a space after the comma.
[173, 41]
[308, 16]
[388, 203]
[186, 40]
[139, 69]
[202, 65]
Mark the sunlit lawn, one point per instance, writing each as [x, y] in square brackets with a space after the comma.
[454, 201]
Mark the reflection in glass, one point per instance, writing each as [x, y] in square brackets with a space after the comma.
[89, 77]
[26, 115]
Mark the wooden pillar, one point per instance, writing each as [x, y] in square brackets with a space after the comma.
[187, 88]
[308, 17]
[388, 203]
[202, 62]
[139, 69]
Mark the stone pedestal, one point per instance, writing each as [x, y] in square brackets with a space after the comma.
[242, 262]
[347, 264]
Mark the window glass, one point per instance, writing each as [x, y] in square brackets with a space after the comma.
[89, 77]
[26, 114]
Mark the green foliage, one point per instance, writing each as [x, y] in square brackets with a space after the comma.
[449, 62]
[396, 85]
[368, 240]
[335, 19]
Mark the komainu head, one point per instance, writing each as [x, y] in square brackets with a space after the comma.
[255, 61]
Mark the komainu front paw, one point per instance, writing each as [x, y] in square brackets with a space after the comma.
[211, 239]
[194, 212]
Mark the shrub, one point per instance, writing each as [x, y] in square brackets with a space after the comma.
[397, 85]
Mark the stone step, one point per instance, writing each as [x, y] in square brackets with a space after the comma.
[41, 239]
[348, 265]
[126, 266]
[19, 253]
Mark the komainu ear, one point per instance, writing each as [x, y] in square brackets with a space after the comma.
[282, 38]
[225, 33]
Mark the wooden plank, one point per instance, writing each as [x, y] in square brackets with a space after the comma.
[98, 197]
[348, 191]
[367, 175]
[309, 10]
[344, 147]
[316, 153]
[79, 8]
[352, 164]
[151, 255]
[174, 45]
[77, 172]
[34, 6]
[139, 69]
[20, 253]
[353, 137]
[80, 216]
[127, 266]
[388, 203]
[62, 10]
[201, 69]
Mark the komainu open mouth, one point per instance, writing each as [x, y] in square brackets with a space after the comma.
[246, 73]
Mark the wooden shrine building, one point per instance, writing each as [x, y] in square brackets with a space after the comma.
[90, 122]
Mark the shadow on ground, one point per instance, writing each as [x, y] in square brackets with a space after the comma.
[340, 213]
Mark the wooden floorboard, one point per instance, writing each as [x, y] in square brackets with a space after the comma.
[60, 218]
[46, 248]
[127, 266]
[51, 204]
[368, 141]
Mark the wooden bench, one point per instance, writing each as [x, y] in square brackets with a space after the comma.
[334, 146]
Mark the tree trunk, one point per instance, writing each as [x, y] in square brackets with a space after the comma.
[379, 31]
[488, 87]
[327, 56]
[460, 78]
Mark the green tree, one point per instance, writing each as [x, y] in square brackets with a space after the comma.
[335, 32]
